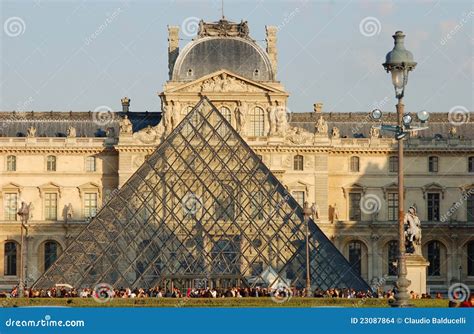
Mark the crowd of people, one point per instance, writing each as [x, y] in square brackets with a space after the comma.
[234, 292]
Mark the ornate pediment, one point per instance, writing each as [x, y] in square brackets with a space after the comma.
[433, 187]
[224, 82]
[49, 187]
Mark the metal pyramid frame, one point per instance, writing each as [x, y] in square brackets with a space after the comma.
[202, 207]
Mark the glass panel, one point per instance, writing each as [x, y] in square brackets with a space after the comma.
[11, 206]
[50, 206]
[354, 206]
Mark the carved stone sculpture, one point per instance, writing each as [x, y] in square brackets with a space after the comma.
[321, 126]
[71, 132]
[412, 232]
[126, 126]
[31, 132]
[335, 133]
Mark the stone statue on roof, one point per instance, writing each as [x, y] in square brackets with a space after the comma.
[335, 133]
[374, 132]
[321, 126]
[71, 132]
[31, 132]
[126, 126]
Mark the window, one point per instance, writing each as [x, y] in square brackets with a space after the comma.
[392, 201]
[50, 206]
[298, 162]
[90, 205]
[354, 164]
[433, 206]
[11, 163]
[355, 256]
[51, 163]
[470, 206]
[393, 164]
[433, 164]
[470, 258]
[90, 164]
[50, 253]
[223, 129]
[354, 206]
[434, 255]
[10, 258]
[299, 197]
[257, 205]
[11, 206]
[392, 257]
[224, 207]
[257, 119]
[470, 164]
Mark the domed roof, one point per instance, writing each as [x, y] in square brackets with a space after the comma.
[223, 45]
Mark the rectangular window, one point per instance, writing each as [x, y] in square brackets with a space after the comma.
[50, 206]
[11, 163]
[90, 164]
[90, 205]
[470, 165]
[11, 206]
[299, 197]
[393, 164]
[433, 164]
[470, 206]
[354, 206]
[392, 200]
[51, 163]
[433, 207]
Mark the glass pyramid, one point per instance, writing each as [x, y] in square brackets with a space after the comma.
[202, 210]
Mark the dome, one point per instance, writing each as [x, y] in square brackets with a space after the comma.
[206, 55]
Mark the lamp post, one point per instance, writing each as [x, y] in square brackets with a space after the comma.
[399, 62]
[24, 214]
[306, 214]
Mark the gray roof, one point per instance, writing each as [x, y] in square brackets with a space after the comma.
[55, 124]
[358, 124]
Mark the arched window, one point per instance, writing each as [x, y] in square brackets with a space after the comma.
[223, 128]
[256, 121]
[392, 257]
[51, 163]
[11, 251]
[355, 256]
[50, 253]
[354, 164]
[434, 258]
[470, 258]
[298, 161]
[393, 164]
[11, 163]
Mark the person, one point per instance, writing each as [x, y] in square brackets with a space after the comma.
[468, 302]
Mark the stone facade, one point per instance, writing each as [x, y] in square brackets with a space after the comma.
[335, 160]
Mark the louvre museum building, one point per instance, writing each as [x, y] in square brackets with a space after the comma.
[213, 187]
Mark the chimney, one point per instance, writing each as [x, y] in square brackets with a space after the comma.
[125, 104]
[272, 47]
[318, 107]
[173, 47]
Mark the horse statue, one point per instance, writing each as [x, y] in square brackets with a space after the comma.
[412, 231]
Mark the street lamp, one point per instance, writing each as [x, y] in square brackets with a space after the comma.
[399, 62]
[306, 214]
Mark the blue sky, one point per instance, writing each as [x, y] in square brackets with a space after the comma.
[78, 55]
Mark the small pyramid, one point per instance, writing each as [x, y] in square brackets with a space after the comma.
[202, 208]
